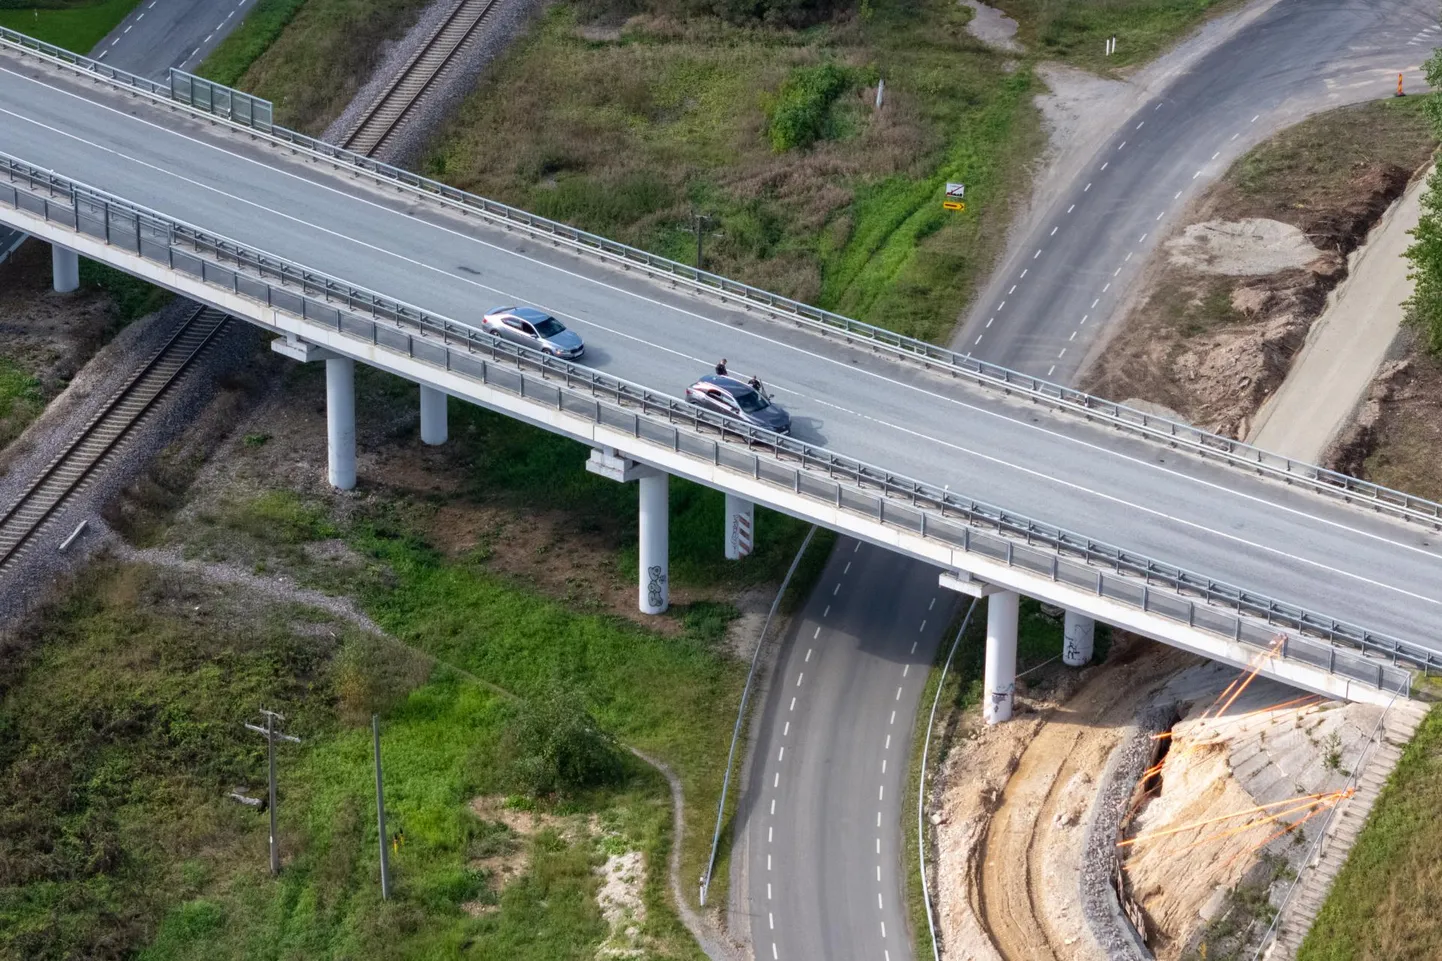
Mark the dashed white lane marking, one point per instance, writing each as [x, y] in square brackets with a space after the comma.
[774, 955]
[786, 730]
[883, 929]
[102, 54]
[856, 548]
[1062, 354]
[810, 649]
[1012, 291]
[1071, 208]
[1037, 254]
[847, 569]
[770, 833]
[836, 588]
[898, 693]
[1086, 188]
[1139, 126]
[827, 611]
[978, 339]
[814, 637]
[799, 677]
[931, 605]
[1254, 119]
[878, 901]
[1216, 155]
[780, 755]
[1104, 166]
[883, 765]
[1023, 273]
[913, 646]
[1000, 306]
[1095, 302]
[1196, 175]
[878, 824]
[773, 805]
[1178, 196]
[989, 320]
[893, 718]
[793, 704]
[1085, 318]
[1107, 287]
[128, 29]
[878, 874]
[1054, 230]
[905, 670]
[768, 862]
[1050, 369]
[1117, 271]
[1235, 136]
[775, 783]
[923, 623]
[1161, 215]
[1139, 240]
[771, 920]
[1157, 107]
[1129, 256]
[888, 743]
[768, 890]
[881, 792]
[1072, 337]
[1122, 144]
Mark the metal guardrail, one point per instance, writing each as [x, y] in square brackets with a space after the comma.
[655, 418]
[993, 376]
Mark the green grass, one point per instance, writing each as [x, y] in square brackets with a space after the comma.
[122, 733]
[78, 27]
[247, 43]
[1383, 905]
[21, 400]
[628, 132]
[1076, 30]
[133, 297]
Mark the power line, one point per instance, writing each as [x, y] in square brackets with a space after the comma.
[272, 734]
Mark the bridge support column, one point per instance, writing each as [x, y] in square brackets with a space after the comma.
[999, 674]
[655, 542]
[740, 527]
[1078, 635]
[655, 522]
[64, 269]
[340, 421]
[434, 427]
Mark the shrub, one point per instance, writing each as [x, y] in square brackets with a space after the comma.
[557, 747]
[800, 114]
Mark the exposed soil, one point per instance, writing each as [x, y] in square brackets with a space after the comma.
[511, 856]
[1212, 345]
[1028, 894]
[1396, 437]
[50, 335]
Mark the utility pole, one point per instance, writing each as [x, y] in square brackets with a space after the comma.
[271, 735]
[381, 810]
[700, 223]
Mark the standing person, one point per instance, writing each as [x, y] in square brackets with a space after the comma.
[721, 368]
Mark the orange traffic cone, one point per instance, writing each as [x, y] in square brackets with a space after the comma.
[1399, 92]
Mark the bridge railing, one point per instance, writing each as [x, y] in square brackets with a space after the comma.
[221, 102]
[817, 474]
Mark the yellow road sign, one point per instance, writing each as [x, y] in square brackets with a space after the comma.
[953, 205]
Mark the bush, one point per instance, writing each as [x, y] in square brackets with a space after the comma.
[800, 114]
[558, 748]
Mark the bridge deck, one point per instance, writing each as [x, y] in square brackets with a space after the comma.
[1211, 519]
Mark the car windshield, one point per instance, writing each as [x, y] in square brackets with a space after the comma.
[750, 401]
[549, 327]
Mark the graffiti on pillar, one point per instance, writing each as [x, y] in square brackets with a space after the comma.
[1002, 696]
[656, 586]
[1072, 653]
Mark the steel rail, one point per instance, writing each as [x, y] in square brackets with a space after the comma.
[103, 434]
[251, 115]
[413, 82]
[655, 418]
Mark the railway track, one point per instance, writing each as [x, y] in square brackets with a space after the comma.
[385, 115]
[104, 434]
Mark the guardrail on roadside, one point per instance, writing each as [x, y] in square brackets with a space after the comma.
[254, 114]
[787, 464]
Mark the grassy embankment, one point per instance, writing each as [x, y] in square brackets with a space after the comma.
[123, 735]
[627, 124]
[1039, 638]
[1383, 905]
[75, 25]
[1076, 31]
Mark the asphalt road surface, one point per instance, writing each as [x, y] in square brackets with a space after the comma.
[1272, 71]
[158, 35]
[1055, 295]
[822, 835]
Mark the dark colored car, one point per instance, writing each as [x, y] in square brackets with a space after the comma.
[535, 328]
[736, 398]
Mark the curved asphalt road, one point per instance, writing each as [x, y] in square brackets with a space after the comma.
[814, 885]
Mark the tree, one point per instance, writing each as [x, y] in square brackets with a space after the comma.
[557, 747]
[1424, 307]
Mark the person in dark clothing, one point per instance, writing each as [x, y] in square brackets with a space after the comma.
[755, 384]
[721, 368]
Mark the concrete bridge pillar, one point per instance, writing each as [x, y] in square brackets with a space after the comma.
[740, 527]
[1078, 635]
[655, 542]
[655, 592]
[434, 424]
[64, 269]
[999, 674]
[340, 421]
